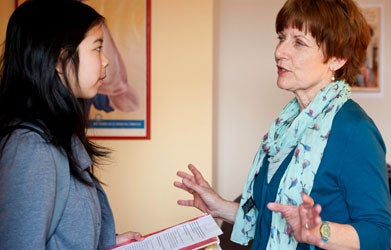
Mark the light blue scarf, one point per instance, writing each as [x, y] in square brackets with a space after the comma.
[306, 132]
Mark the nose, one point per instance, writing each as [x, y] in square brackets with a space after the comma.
[280, 51]
[105, 60]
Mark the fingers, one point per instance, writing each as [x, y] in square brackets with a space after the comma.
[308, 202]
[186, 203]
[194, 170]
[128, 236]
[275, 207]
[304, 216]
[196, 185]
[317, 219]
[185, 175]
[191, 182]
[180, 185]
[199, 179]
[304, 219]
[309, 213]
[312, 211]
[187, 184]
[195, 177]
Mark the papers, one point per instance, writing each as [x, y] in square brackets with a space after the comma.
[197, 233]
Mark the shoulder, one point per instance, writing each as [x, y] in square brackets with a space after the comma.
[351, 111]
[26, 152]
[352, 120]
[24, 139]
[357, 141]
[28, 182]
[355, 138]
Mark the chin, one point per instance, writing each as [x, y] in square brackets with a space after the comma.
[281, 85]
[90, 96]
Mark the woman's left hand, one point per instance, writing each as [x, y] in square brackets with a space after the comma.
[127, 237]
[304, 219]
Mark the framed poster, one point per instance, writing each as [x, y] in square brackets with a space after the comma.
[369, 78]
[121, 110]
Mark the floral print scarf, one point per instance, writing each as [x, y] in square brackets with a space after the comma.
[306, 132]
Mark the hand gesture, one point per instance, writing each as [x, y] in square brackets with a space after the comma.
[204, 197]
[304, 219]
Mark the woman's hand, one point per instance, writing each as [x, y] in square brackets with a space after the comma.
[204, 197]
[304, 219]
[127, 237]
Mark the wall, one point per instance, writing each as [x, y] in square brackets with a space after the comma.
[139, 182]
[246, 98]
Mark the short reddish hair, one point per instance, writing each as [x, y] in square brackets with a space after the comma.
[338, 26]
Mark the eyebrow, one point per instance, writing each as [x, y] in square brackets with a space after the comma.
[300, 36]
[304, 37]
[98, 40]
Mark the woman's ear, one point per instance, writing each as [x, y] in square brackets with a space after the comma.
[336, 63]
[59, 68]
[60, 71]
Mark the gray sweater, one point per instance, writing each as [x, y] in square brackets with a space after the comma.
[27, 192]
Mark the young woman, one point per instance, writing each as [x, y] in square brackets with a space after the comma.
[322, 149]
[52, 62]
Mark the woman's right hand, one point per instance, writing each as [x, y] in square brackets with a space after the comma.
[204, 196]
[128, 237]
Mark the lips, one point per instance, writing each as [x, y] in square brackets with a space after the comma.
[281, 70]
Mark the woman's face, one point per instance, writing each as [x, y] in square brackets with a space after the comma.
[300, 65]
[92, 65]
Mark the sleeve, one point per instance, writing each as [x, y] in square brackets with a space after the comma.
[107, 232]
[27, 184]
[364, 183]
[101, 102]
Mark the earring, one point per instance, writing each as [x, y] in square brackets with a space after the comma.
[332, 75]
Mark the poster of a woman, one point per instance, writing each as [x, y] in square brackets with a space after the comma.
[121, 108]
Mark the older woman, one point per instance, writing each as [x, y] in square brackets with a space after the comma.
[323, 148]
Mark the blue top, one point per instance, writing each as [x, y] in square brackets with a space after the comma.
[27, 184]
[351, 183]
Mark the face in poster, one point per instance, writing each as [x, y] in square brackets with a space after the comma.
[121, 108]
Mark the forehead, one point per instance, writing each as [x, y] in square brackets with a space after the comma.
[95, 34]
[93, 38]
[310, 17]
[295, 32]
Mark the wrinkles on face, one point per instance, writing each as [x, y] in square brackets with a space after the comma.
[300, 65]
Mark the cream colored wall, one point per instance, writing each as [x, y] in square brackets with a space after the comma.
[246, 98]
[139, 182]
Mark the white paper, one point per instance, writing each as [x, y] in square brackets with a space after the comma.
[177, 237]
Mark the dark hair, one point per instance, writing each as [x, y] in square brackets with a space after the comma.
[338, 26]
[40, 35]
